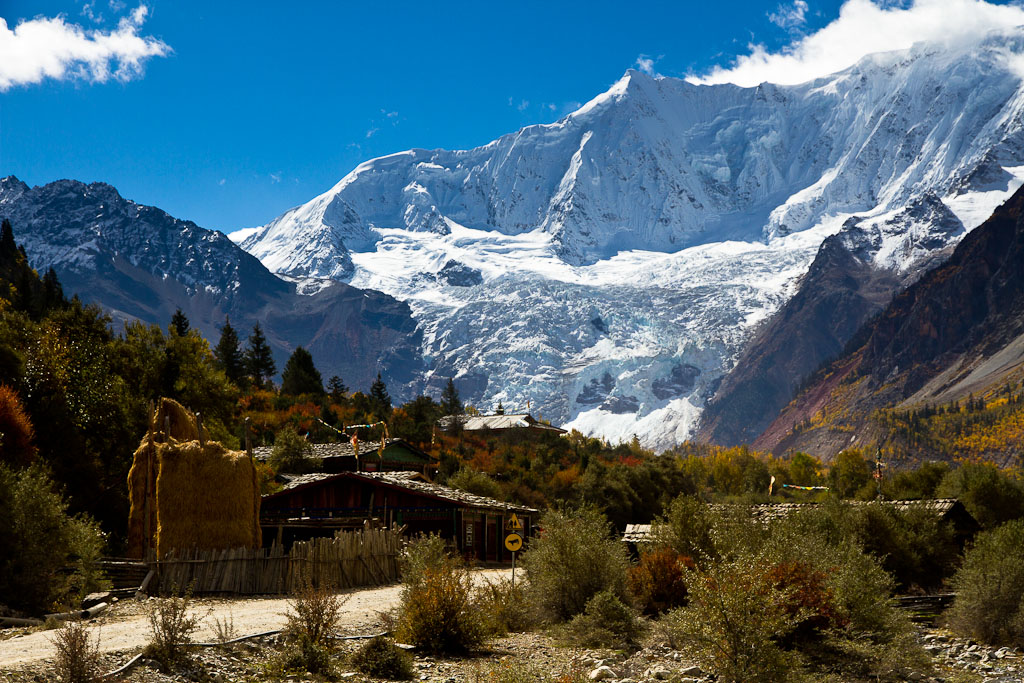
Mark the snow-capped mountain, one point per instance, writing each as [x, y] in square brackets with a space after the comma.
[608, 267]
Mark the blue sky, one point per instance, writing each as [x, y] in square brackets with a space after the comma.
[243, 110]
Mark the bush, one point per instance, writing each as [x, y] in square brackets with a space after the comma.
[688, 528]
[313, 617]
[475, 482]
[914, 546]
[172, 626]
[506, 607]
[733, 623]
[292, 453]
[381, 658]
[606, 622]
[656, 583]
[436, 612]
[990, 587]
[47, 557]
[992, 495]
[789, 601]
[576, 556]
[77, 658]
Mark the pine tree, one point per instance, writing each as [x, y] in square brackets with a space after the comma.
[300, 375]
[379, 396]
[8, 248]
[179, 323]
[450, 403]
[229, 353]
[53, 293]
[259, 360]
[336, 388]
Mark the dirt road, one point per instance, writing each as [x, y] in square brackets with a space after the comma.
[126, 627]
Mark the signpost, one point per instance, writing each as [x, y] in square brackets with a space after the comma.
[514, 541]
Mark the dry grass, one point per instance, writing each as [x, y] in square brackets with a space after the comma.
[204, 496]
[77, 658]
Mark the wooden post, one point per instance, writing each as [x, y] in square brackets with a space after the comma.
[248, 440]
[147, 524]
[199, 430]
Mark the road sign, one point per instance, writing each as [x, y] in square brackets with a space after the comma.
[514, 542]
[513, 523]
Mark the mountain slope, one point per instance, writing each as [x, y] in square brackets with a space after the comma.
[853, 276]
[676, 216]
[140, 263]
[956, 333]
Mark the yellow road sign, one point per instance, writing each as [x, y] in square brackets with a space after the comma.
[514, 542]
[513, 523]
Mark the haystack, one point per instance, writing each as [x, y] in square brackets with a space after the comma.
[189, 493]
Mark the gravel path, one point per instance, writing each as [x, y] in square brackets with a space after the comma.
[126, 627]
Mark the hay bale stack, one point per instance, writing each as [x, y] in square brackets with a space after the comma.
[186, 494]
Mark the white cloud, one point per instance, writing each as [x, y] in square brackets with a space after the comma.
[46, 47]
[864, 27]
[646, 64]
[790, 16]
[222, 181]
[275, 177]
[370, 133]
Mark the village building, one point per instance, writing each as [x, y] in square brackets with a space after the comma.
[399, 456]
[319, 504]
[493, 425]
[948, 510]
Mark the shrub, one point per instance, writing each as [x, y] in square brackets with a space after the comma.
[506, 607]
[475, 482]
[733, 623]
[47, 557]
[656, 583]
[793, 602]
[990, 587]
[313, 617]
[292, 453]
[606, 622]
[172, 626]
[381, 658]
[688, 528]
[436, 612]
[577, 556]
[77, 658]
[992, 495]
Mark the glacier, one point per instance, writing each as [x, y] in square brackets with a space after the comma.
[604, 271]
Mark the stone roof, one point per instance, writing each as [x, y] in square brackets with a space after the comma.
[341, 449]
[940, 507]
[473, 423]
[415, 482]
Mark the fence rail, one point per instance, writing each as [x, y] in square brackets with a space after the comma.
[368, 557]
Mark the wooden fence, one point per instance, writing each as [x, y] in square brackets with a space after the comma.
[352, 558]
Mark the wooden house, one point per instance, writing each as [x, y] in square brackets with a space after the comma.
[318, 504]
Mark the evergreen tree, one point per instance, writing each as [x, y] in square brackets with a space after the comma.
[229, 353]
[259, 360]
[300, 376]
[179, 323]
[8, 248]
[336, 388]
[450, 403]
[53, 293]
[380, 397]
